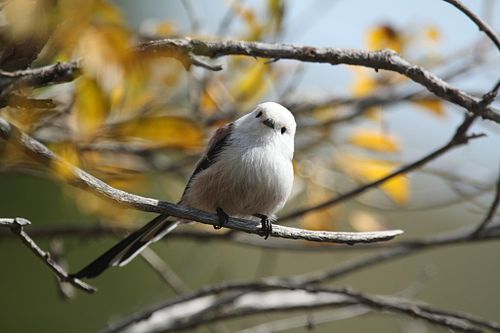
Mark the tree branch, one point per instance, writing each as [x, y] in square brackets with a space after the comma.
[385, 59]
[84, 180]
[187, 50]
[39, 77]
[282, 296]
[483, 26]
[309, 280]
[16, 226]
[491, 212]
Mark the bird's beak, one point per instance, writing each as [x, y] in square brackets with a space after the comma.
[269, 123]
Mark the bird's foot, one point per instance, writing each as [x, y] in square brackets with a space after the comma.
[267, 225]
[223, 218]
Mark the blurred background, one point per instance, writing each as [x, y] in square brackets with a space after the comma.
[140, 123]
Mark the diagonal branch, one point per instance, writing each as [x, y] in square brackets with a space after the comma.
[491, 212]
[459, 138]
[483, 26]
[16, 226]
[86, 181]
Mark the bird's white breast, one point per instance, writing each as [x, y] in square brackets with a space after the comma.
[244, 181]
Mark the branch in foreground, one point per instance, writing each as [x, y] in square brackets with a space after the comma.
[308, 280]
[309, 321]
[279, 297]
[84, 180]
[16, 226]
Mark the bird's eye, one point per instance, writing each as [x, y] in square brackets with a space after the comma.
[259, 114]
[283, 130]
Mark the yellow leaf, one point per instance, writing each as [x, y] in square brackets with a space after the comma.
[107, 12]
[91, 106]
[374, 140]
[385, 37]
[323, 219]
[432, 104]
[367, 169]
[252, 84]
[211, 96]
[364, 221]
[105, 53]
[364, 84]
[163, 131]
[69, 156]
[122, 178]
[374, 113]
[28, 113]
[432, 34]
[165, 29]
[27, 19]
[323, 113]
[108, 210]
[250, 18]
[208, 105]
[277, 10]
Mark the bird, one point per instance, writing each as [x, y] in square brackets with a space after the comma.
[246, 171]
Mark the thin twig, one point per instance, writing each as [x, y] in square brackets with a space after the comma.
[16, 226]
[164, 271]
[459, 138]
[38, 77]
[307, 321]
[483, 26]
[192, 16]
[491, 212]
[66, 290]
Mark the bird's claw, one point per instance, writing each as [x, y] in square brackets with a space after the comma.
[267, 226]
[223, 218]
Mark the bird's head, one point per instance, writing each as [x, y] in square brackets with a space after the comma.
[269, 123]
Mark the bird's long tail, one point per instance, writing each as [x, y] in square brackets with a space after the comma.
[126, 250]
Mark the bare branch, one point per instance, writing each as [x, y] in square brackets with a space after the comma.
[39, 77]
[97, 231]
[56, 248]
[307, 281]
[188, 50]
[283, 296]
[491, 212]
[385, 59]
[84, 180]
[308, 321]
[483, 26]
[16, 226]
[164, 271]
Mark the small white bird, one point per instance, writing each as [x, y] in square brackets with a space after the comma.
[246, 171]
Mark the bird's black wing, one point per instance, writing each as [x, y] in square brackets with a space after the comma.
[220, 139]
